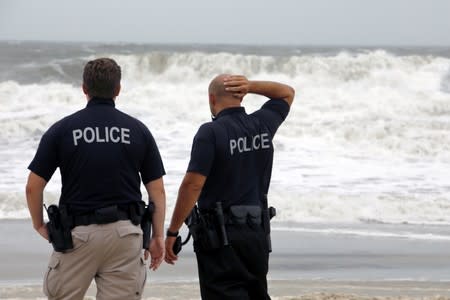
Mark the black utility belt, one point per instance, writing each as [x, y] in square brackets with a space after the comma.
[109, 214]
[209, 228]
[61, 222]
[102, 215]
[244, 214]
[236, 215]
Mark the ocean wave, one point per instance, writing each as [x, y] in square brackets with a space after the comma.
[374, 101]
[367, 139]
[173, 65]
[445, 82]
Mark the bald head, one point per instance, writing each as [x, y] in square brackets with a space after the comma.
[217, 88]
[219, 98]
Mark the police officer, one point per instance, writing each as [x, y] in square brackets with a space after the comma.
[103, 154]
[229, 171]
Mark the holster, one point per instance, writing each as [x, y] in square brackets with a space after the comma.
[267, 215]
[137, 210]
[59, 231]
[146, 224]
[207, 230]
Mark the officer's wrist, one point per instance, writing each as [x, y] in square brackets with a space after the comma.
[172, 233]
[38, 225]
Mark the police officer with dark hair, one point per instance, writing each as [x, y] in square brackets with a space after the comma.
[229, 175]
[103, 155]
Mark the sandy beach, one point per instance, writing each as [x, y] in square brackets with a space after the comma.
[303, 266]
[282, 290]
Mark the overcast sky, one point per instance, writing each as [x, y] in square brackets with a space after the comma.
[299, 22]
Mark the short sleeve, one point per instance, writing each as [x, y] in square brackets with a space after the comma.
[273, 113]
[152, 166]
[46, 161]
[203, 151]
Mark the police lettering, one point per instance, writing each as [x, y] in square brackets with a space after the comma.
[102, 135]
[245, 144]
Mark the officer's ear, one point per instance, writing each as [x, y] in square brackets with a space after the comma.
[212, 104]
[86, 92]
[117, 90]
[212, 100]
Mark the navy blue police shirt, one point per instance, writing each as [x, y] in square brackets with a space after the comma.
[235, 153]
[100, 152]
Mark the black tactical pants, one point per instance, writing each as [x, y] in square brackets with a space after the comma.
[237, 271]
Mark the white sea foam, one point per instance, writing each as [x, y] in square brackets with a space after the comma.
[367, 232]
[367, 138]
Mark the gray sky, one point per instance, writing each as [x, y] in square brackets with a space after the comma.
[299, 22]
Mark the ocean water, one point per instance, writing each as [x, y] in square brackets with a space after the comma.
[365, 149]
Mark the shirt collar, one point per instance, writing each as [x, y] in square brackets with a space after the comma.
[97, 101]
[229, 111]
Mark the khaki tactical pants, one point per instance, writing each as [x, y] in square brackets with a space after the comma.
[109, 253]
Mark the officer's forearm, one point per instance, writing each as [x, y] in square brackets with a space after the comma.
[157, 194]
[159, 216]
[35, 202]
[188, 194]
[35, 196]
[187, 197]
[272, 89]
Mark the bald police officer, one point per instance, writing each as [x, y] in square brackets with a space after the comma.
[229, 174]
[103, 155]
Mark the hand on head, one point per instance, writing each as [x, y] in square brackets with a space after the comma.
[237, 85]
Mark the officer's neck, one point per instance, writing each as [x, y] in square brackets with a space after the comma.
[90, 98]
[224, 106]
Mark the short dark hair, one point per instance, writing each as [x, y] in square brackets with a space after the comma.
[101, 77]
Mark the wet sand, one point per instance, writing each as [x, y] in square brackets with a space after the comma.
[280, 289]
[303, 266]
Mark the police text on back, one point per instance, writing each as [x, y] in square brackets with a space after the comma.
[245, 144]
[104, 135]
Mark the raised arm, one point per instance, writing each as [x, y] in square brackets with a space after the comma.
[239, 85]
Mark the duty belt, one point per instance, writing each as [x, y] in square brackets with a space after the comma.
[244, 214]
[103, 215]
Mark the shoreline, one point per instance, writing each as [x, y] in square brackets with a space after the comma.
[303, 265]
